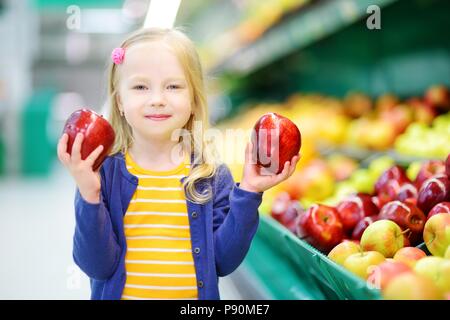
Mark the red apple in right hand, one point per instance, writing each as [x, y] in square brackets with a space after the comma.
[321, 226]
[96, 130]
[277, 140]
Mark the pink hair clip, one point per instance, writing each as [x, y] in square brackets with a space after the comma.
[117, 55]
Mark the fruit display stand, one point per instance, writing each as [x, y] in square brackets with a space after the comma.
[289, 268]
[323, 64]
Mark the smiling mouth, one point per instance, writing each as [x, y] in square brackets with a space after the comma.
[158, 117]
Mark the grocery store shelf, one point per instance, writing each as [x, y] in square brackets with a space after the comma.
[283, 266]
[306, 27]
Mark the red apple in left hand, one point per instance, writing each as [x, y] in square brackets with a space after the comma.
[407, 216]
[277, 140]
[354, 208]
[321, 226]
[96, 130]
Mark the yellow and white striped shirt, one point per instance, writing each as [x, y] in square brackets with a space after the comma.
[158, 262]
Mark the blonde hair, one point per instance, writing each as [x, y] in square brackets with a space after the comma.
[205, 157]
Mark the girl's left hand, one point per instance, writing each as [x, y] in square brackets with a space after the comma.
[254, 181]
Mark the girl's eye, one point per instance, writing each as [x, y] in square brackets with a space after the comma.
[140, 87]
[173, 87]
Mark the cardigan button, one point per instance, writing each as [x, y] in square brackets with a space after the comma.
[200, 284]
[194, 214]
[197, 250]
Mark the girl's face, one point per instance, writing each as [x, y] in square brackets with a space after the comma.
[153, 91]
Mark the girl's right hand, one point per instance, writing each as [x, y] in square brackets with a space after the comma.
[87, 180]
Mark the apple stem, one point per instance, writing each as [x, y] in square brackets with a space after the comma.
[360, 250]
[405, 231]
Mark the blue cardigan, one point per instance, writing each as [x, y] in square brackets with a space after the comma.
[221, 230]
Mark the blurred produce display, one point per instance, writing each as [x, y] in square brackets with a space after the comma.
[365, 214]
[339, 134]
[401, 226]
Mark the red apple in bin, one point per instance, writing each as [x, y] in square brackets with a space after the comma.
[429, 169]
[96, 130]
[408, 216]
[279, 206]
[447, 166]
[321, 226]
[443, 207]
[354, 208]
[432, 192]
[395, 173]
[408, 191]
[362, 224]
[389, 192]
[286, 210]
[277, 140]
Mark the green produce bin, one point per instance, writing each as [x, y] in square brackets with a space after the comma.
[285, 263]
[37, 151]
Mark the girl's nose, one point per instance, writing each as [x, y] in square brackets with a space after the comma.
[157, 99]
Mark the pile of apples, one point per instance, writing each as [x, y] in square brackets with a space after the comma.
[385, 260]
[383, 229]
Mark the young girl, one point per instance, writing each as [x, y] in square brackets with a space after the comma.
[161, 219]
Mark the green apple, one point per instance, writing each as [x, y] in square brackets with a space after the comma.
[340, 252]
[436, 234]
[436, 269]
[384, 236]
[360, 263]
[411, 286]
